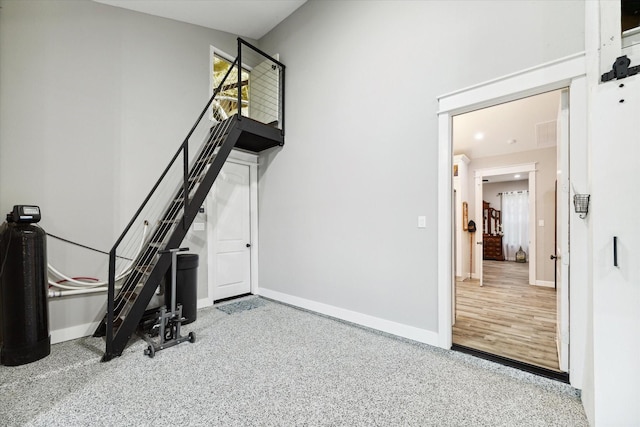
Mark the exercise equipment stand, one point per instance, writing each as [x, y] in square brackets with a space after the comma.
[169, 322]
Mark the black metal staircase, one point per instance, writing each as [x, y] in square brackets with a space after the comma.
[131, 291]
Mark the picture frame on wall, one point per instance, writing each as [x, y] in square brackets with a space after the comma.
[465, 216]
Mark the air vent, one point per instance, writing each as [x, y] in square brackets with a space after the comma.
[546, 135]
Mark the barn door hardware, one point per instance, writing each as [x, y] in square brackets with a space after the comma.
[620, 69]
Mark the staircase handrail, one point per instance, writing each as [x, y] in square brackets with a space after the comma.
[184, 149]
[186, 182]
[281, 115]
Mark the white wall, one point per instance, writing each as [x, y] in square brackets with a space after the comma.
[339, 203]
[94, 100]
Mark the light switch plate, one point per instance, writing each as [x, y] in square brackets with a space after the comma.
[541, 223]
[422, 222]
[198, 226]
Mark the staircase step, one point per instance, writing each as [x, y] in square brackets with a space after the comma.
[144, 269]
[206, 160]
[169, 221]
[197, 179]
[128, 296]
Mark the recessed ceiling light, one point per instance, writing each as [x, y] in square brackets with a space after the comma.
[479, 136]
[516, 176]
[511, 141]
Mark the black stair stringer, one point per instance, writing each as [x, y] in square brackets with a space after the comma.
[130, 322]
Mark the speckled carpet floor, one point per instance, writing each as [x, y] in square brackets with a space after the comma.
[274, 365]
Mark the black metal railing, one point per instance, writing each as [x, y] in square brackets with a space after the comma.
[162, 220]
[266, 87]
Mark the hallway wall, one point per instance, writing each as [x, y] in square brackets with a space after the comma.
[339, 203]
[94, 101]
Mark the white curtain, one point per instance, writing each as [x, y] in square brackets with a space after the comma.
[515, 223]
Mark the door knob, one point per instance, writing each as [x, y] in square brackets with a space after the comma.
[248, 245]
[553, 257]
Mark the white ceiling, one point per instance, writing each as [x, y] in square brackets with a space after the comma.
[504, 123]
[246, 18]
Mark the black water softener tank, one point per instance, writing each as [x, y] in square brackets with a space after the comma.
[24, 323]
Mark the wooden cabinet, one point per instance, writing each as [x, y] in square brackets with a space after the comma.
[492, 247]
[491, 239]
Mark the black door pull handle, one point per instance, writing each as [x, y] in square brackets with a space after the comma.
[553, 257]
[248, 245]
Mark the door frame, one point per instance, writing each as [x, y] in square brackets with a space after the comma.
[530, 169]
[565, 72]
[250, 160]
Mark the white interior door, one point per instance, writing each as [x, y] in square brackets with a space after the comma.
[562, 233]
[231, 224]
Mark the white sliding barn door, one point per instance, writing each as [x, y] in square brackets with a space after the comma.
[613, 216]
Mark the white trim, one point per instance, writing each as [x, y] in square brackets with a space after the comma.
[250, 160]
[506, 170]
[253, 194]
[633, 52]
[461, 158]
[73, 332]
[545, 283]
[554, 75]
[610, 43]
[445, 230]
[542, 78]
[243, 158]
[398, 329]
[203, 303]
[533, 230]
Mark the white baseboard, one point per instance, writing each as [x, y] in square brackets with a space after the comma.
[394, 328]
[545, 283]
[73, 332]
[203, 302]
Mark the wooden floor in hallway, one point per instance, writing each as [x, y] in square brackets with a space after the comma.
[507, 316]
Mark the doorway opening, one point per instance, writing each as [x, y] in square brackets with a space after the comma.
[232, 230]
[506, 160]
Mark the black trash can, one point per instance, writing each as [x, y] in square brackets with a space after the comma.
[24, 322]
[186, 286]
